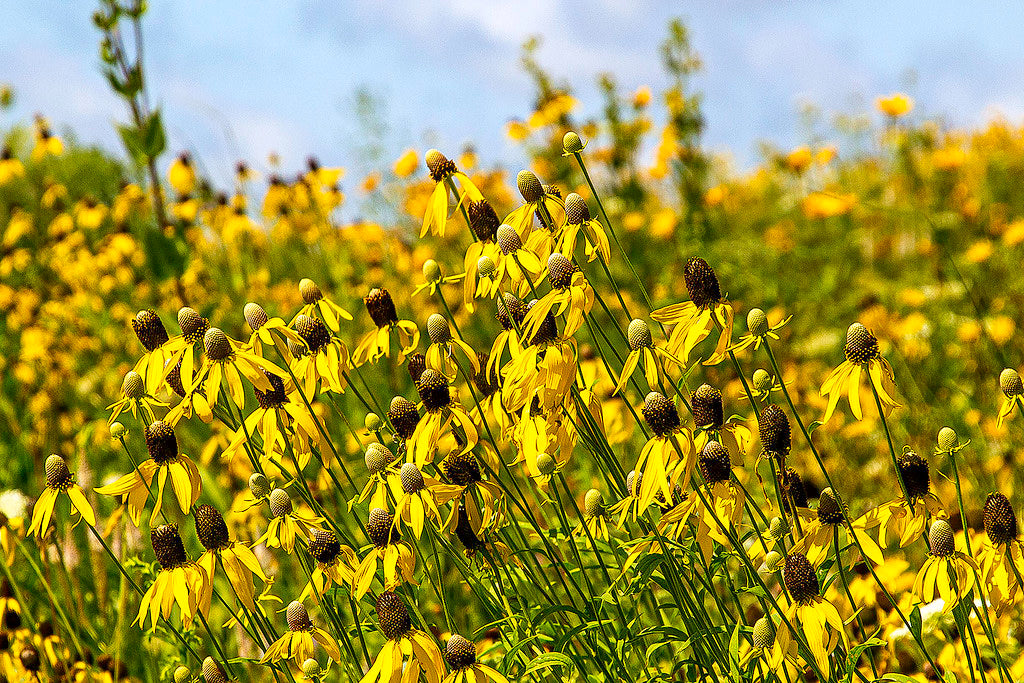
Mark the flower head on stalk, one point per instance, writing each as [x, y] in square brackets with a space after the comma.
[709, 416]
[135, 398]
[287, 523]
[179, 353]
[544, 437]
[334, 564]
[762, 384]
[758, 329]
[443, 344]
[1013, 390]
[433, 278]
[59, 480]
[906, 517]
[538, 201]
[693, 320]
[238, 561]
[164, 462]
[1002, 554]
[484, 500]
[179, 581]
[520, 266]
[668, 457]
[387, 548]
[323, 358]
[571, 295]
[817, 618]
[817, 538]
[408, 652]
[418, 498]
[443, 409]
[376, 343]
[298, 643]
[724, 501]
[948, 573]
[862, 356]
[315, 302]
[595, 516]
[645, 353]
[383, 471]
[578, 220]
[226, 362]
[447, 178]
[152, 334]
[461, 657]
[267, 331]
[511, 311]
[546, 367]
[483, 259]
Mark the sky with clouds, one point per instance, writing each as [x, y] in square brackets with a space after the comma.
[241, 79]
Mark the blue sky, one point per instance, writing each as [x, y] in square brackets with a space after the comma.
[240, 79]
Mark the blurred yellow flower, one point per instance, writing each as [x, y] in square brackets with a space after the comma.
[407, 163]
[1000, 328]
[895, 105]
[642, 97]
[715, 196]
[371, 181]
[663, 223]
[825, 155]
[1014, 233]
[948, 158]
[827, 205]
[799, 159]
[517, 130]
[979, 251]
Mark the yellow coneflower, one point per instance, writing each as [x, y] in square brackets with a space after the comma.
[906, 517]
[519, 265]
[226, 362]
[818, 534]
[1013, 388]
[152, 334]
[11, 166]
[135, 398]
[164, 462]
[318, 175]
[538, 201]
[482, 256]
[388, 548]
[408, 652]
[484, 500]
[180, 350]
[182, 174]
[443, 343]
[577, 220]
[335, 564]
[238, 561]
[443, 409]
[376, 344]
[315, 302]
[90, 214]
[433, 278]
[571, 295]
[179, 581]
[758, 329]
[546, 368]
[268, 331]
[694, 319]
[809, 612]
[895, 105]
[46, 143]
[643, 352]
[287, 523]
[324, 358]
[510, 314]
[445, 175]
[762, 384]
[948, 573]
[383, 470]
[661, 464]
[709, 416]
[1002, 554]
[298, 643]
[724, 501]
[595, 516]
[419, 497]
[862, 355]
[59, 479]
[461, 657]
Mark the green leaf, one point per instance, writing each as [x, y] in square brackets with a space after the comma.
[734, 653]
[132, 143]
[856, 652]
[915, 622]
[154, 140]
[814, 425]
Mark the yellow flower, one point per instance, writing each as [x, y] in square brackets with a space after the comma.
[578, 220]
[407, 650]
[516, 130]
[59, 480]
[484, 500]
[667, 459]
[1013, 388]
[179, 581]
[134, 397]
[645, 353]
[270, 331]
[895, 105]
[298, 643]
[1002, 554]
[862, 356]
[540, 201]
[388, 548]
[182, 174]
[323, 359]
[818, 534]
[11, 167]
[827, 204]
[758, 329]
[315, 302]
[418, 497]
[948, 573]
[818, 619]
[89, 214]
[694, 319]
[165, 462]
[571, 295]
[407, 163]
[238, 561]
[595, 517]
[906, 518]
[642, 97]
[335, 564]
[380, 462]
[443, 409]
[799, 159]
[447, 178]
[461, 657]
[47, 144]
[287, 523]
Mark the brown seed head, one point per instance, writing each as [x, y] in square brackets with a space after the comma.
[417, 364]
[433, 390]
[483, 220]
[774, 430]
[392, 615]
[1000, 519]
[464, 532]
[708, 410]
[914, 471]
[404, 416]
[660, 414]
[829, 510]
[381, 307]
[507, 303]
[149, 329]
[529, 186]
[438, 329]
[255, 316]
[793, 486]
[29, 658]
[701, 283]
[310, 291]
[547, 331]
[439, 165]
[714, 463]
[576, 210]
[800, 579]
[1010, 383]
[298, 617]
[280, 503]
[508, 239]
[560, 271]
[462, 469]
[313, 332]
[161, 442]
[324, 546]
[167, 546]
[274, 398]
[217, 345]
[192, 325]
[941, 539]
[412, 478]
[379, 528]
[210, 528]
[460, 653]
[861, 345]
[58, 476]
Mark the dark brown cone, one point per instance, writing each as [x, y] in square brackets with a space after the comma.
[381, 307]
[774, 430]
[1000, 519]
[174, 380]
[701, 283]
[313, 332]
[58, 476]
[297, 617]
[941, 539]
[379, 528]
[483, 220]
[510, 302]
[660, 414]
[161, 442]
[547, 332]
[412, 478]
[460, 653]
[167, 546]
[433, 390]
[464, 532]
[29, 657]
[274, 398]
[210, 528]
[714, 463]
[404, 416]
[417, 364]
[192, 325]
[576, 210]
[392, 615]
[708, 410]
[800, 579]
[861, 345]
[461, 469]
[829, 511]
[560, 271]
[149, 329]
[324, 546]
[914, 471]
[793, 488]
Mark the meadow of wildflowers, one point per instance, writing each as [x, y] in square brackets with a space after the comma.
[600, 419]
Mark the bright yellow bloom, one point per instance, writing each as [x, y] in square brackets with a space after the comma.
[47, 144]
[540, 201]
[388, 548]
[571, 295]
[323, 360]
[461, 657]
[335, 564]
[135, 398]
[376, 344]
[182, 174]
[315, 302]
[818, 619]
[694, 319]
[298, 643]
[287, 523]
[862, 356]
[895, 105]
[906, 517]
[1002, 554]
[447, 178]
[948, 573]
[179, 581]
[238, 561]
[1013, 389]
[408, 653]
[645, 353]
[818, 534]
[444, 411]
[59, 480]
[418, 498]
[406, 164]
